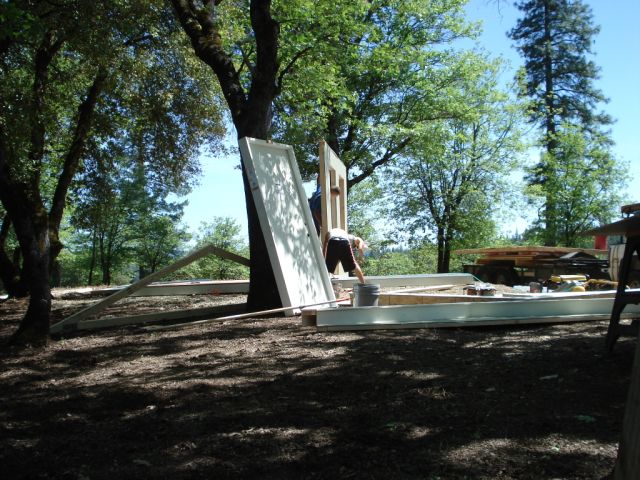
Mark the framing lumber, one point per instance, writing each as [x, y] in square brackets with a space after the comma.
[195, 287]
[236, 317]
[430, 298]
[468, 314]
[424, 280]
[562, 295]
[333, 208]
[143, 282]
[192, 313]
[422, 289]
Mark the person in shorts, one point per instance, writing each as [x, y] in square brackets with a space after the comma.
[338, 247]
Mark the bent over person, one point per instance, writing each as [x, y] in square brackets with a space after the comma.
[337, 247]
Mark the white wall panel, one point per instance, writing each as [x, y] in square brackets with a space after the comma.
[285, 220]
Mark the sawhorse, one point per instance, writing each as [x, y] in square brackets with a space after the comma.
[624, 298]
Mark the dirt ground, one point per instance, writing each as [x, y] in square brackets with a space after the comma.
[266, 398]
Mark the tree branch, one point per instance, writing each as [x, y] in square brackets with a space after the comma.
[72, 159]
[199, 25]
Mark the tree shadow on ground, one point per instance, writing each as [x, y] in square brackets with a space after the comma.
[268, 399]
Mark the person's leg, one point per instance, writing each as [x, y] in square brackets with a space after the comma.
[332, 256]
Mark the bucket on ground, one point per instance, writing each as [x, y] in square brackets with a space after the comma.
[366, 294]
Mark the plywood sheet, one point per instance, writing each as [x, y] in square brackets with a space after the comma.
[286, 223]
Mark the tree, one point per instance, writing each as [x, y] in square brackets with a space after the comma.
[254, 47]
[555, 38]
[160, 241]
[584, 186]
[124, 218]
[368, 94]
[60, 64]
[224, 233]
[246, 65]
[449, 182]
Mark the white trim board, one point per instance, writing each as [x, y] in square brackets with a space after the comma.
[286, 223]
[70, 322]
[200, 287]
[468, 314]
[424, 280]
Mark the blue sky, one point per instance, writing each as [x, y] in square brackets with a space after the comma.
[617, 49]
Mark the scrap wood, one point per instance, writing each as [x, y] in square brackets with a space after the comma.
[153, 317]
[422, 289]
[529, 250]
[238, 317]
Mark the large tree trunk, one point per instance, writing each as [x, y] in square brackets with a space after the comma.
[33, 235]
[551, 220]
[72, 160]
[263, 292]
[10, 273]
[251, 111]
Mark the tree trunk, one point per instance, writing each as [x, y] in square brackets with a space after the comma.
[441, 250]
[10, 274]
[628, 462]
[92, 264]
[551, 226]
[251, 111]
[72, 160]
[33, 235]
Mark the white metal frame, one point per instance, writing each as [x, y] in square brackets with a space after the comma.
[286, 223]
[468, 314]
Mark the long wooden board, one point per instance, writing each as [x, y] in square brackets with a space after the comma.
[422, 280]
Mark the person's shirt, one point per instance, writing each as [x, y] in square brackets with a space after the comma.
[315, 205]
[338, 233]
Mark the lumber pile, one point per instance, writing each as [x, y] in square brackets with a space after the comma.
[527, 257]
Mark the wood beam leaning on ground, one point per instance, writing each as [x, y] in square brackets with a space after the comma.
[70, 323]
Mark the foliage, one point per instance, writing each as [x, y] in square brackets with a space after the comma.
[224, 233]
[365, 205]
[97, 80]
[385, 71]
[555, 37]
[120, 218]
[445, 187]
[584, 186]
[389, 263]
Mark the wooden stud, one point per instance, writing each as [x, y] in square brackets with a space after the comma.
[143, 282]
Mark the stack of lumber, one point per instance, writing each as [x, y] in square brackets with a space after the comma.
[527, 256]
